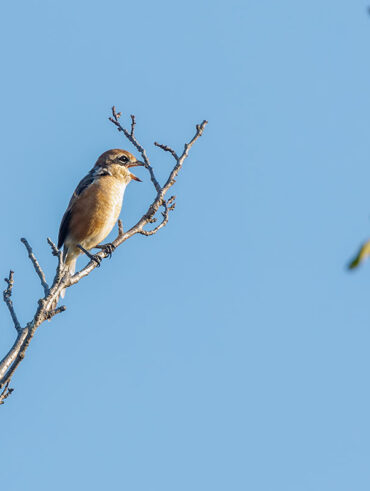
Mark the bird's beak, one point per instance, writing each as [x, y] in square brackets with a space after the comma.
[135, 164]
[135, 178]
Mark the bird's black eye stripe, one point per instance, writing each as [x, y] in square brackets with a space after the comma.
[123, 159]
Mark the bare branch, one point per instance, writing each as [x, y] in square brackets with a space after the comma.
[59, 254]
[36, 265]
[53, 312]
[120, 228]
[47, 306]
[54, 249]
[132, 139]
[10, 359]
[7, 299]
[168, 206]
[5, 393]
[167, 149]
[187, 147]
[115, 114]
[133, 123]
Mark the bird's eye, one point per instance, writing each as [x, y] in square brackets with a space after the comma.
[123, 159]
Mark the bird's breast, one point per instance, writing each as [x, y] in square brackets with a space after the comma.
[96, 211]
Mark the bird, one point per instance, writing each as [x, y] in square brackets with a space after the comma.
[95, 206]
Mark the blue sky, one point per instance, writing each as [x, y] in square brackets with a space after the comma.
[231, 350]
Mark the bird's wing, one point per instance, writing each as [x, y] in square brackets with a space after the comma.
[82, 186]
[64, 226]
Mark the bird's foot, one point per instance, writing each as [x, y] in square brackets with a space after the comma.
[93, 257]
[108, 249]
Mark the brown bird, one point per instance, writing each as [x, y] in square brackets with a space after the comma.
[95, 206]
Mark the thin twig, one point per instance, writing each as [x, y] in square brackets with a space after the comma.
[133, 123]
[166, 148]
[7, 299]
[140, 148]
[120, 228]
[54, 248]
[168, 206]
[56, 311]
[36, 265]
[59, 254]
[5, 393]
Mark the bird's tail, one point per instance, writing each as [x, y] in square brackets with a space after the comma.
[70, 265]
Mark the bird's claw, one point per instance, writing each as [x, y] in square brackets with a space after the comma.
[109, 249]
[97, 259]
[93, 257]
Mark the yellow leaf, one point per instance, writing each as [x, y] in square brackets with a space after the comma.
[362, 254]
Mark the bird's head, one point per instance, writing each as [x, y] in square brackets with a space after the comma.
[119, 162]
